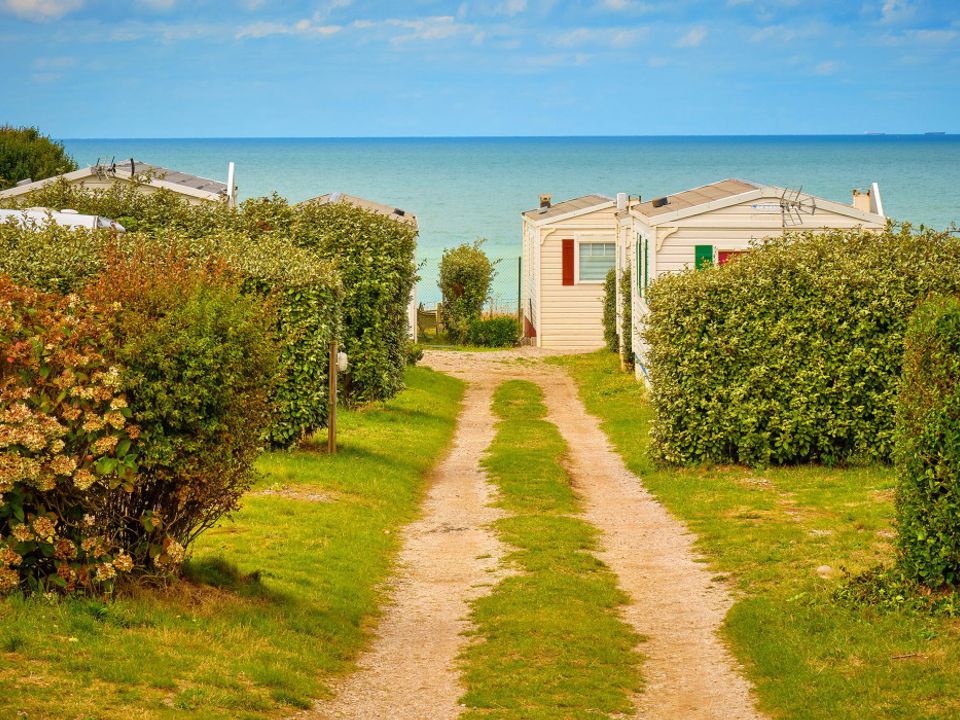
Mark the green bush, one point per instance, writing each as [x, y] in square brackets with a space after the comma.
[611, 335]
[928, 446]
[502, 331]
[303, 292]
[198, 359]
[27, 154]
[626, 318]
[375, 258]
[466, 274]
[793, 353]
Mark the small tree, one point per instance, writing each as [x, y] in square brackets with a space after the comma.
[610, 335]
[26, 153]
[466, 274]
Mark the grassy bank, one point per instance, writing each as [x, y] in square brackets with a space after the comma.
[280, 596]
[782, 536]
[551, 642]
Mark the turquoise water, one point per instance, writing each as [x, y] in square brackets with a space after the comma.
[465, 188]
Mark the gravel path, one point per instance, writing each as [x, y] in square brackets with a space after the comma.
[449, 557]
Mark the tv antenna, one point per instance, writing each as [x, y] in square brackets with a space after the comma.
[794, 205]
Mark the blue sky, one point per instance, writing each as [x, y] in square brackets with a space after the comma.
[210, 68]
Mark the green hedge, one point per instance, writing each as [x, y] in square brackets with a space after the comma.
[611, 333]
[503, 331]
[375, 258]
[928, 447]
[626, 319]
[792, 353]
[303, 291]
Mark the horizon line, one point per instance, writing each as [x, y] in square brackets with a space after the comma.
[867, 134]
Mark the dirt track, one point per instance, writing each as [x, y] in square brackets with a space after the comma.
[410, 671]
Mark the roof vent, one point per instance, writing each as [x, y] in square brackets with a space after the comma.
[660, 202]
[398, 211]
[545, 201]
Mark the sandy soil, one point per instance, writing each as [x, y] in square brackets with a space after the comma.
[449, 557]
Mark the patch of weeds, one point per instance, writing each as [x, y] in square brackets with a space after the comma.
[12, 641]
[287, 698]
[887, 590]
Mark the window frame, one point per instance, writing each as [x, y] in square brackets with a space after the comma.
[591, 240]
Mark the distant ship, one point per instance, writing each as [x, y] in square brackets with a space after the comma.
[873, 133]
[938, 132]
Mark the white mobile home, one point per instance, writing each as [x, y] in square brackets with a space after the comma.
[568, 248]
[714, 223]
[147, 179]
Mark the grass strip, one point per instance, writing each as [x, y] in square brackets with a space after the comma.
[551, 643]
[280, 596]
[782, 535]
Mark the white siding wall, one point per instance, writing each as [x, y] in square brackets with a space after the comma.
[572, 315]
[734, 227]
[531, 274]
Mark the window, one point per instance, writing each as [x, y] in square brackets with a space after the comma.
[596, 260]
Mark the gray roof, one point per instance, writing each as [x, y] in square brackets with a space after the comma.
[567, 206]
[175, 177]
[394, 213]
[697, 196]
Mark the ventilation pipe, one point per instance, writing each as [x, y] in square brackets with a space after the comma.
[231, 185]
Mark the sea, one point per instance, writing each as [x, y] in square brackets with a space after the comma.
[462, 189]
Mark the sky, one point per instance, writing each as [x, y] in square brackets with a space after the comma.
[337, 68]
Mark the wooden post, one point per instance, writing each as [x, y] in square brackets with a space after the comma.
[332, 405]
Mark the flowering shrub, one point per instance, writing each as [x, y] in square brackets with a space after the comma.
[66, 443]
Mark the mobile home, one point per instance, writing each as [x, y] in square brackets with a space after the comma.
[568, 248]
[714, 223]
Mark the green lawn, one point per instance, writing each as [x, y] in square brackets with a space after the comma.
[550, 642]
[282, 595]
[770, 531]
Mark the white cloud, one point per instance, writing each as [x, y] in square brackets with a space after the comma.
[161, 5]
[694, 38]
[827, 67]
[41, 9]
[303, 27]
[893, 11]
[626, 5]
[510, 7]
[439, 27]
[785, 33]
[612, 37]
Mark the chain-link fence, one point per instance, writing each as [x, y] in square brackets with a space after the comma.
[504, 291]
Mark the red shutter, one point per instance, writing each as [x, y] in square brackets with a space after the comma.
[568, 262]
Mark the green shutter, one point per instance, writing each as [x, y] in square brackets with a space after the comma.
[640, 264]
[646, 264]
[703, 256]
